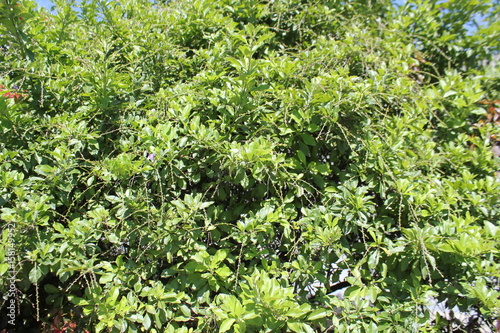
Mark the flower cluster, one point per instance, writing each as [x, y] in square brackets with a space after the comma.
[11, 93]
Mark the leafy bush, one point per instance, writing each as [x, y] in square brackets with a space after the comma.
[199, 166]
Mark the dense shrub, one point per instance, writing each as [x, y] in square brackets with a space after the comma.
[201, 166]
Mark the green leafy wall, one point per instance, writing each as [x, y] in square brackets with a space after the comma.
[194, 166]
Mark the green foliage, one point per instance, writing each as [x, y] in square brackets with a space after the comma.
[196, 166]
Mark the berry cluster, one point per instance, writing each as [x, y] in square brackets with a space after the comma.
[11, 93]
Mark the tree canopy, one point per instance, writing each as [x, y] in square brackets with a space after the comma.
[229, 165]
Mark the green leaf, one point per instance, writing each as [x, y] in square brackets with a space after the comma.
[35, 274]
[146, 322]
[50, 289]
[226, 325]
[491, 229]
[240, 327]
[45, 170]
[302, 157]
[299, 311]
[113, 296]
[106, 278]
[4, 267]
[224, 271]
[308, 139]
[318, 314]
[299, 327]
[449, 93]
[78, 301]
[186, 311]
